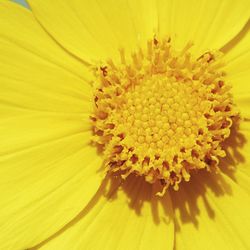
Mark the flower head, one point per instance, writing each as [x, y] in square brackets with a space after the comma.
[124, 125]
[163, 115]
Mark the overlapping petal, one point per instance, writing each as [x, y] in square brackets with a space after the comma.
[96, 30]
[211, 212]
[209, 24]
[129, 216]
[49, 172]
[237, 68]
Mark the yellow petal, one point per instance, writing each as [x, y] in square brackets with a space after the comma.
[145, 19]
[217, 206]
[95, 30]
[131, 217]
[48, 170]
[209, 24]
[43, 188]
[37, 74]
[237, 67]
[237, 163]
[212, 213]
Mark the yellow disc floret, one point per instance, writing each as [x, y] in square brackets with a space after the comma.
[163, 114]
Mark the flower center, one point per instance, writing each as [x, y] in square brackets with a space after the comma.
[162, 114]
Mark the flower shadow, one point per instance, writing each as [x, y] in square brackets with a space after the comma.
[186, 201]
[139, 192]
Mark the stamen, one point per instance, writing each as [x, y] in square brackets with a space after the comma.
[163, 114]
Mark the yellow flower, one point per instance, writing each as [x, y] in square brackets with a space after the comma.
[111, 113]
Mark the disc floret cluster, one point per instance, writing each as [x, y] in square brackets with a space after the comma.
[162, 114]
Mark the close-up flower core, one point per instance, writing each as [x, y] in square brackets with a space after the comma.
[124, 124]
[163, 113]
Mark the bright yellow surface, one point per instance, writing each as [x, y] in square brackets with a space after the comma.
[48, 171]
[209, 24]
[237, 68]
[154, 114]
[131, 217]
[128, 23]
[44, 133]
